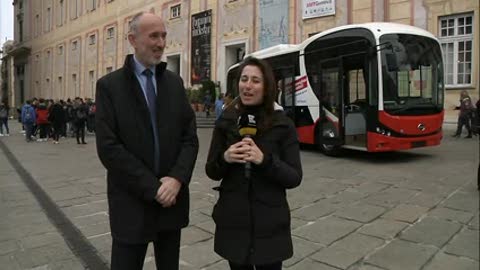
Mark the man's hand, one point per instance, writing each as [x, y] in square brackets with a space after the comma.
[168, 191]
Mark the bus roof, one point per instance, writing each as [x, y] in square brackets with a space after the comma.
[271, 51]
[274, 50]
[377, 29]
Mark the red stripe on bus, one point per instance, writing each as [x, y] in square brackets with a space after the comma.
[412, 125]
[381, 143]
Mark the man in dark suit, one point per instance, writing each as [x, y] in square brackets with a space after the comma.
[147, 141]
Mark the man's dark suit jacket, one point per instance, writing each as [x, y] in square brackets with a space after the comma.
[125, 147]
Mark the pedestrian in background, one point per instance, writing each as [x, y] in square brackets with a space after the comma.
[91, 115]
[465, 114]
[42, 120]
[69, 110]
[476, 119]
[252, 215]
[147, 141]
[218, 106]
[207, 103]
[80, 112]
[4, 110]
[28, 119]
[58, 120]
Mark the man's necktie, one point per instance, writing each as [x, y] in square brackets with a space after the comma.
[152, 107]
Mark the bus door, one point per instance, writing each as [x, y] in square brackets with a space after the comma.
[331, 129]
[355, 101]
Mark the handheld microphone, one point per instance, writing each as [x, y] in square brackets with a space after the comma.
[247, 128]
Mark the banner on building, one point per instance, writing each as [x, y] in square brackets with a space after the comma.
[273, 22]
[318, 8]
[201, 47]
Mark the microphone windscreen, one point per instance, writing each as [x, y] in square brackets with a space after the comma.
[247, 125]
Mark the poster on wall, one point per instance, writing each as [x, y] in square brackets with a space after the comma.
[201, 46]
[318, 8]
[273, 22]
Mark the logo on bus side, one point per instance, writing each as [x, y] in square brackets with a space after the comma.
[300, 83]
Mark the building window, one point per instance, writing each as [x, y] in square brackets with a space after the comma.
[110, 32]
[74, 45]
[75, 8]
[60, 85]
[91, 39]
[20, 4]
[48, 62]
[74, 84]
[60, 50]
[20, 30]
[37, 24]
[108, 70]
[91, 76]
[92, 5]
[175, 11]
[48, 23]
[456, 37]
[60, 13]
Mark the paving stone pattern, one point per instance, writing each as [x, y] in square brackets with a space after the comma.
[414, 209]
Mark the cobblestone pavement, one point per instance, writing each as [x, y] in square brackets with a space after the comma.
[415, 209]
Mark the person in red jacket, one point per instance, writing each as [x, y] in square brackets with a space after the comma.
[42, 120]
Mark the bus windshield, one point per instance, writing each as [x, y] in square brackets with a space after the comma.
[412, 73]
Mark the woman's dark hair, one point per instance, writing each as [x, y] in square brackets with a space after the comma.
[269, 90]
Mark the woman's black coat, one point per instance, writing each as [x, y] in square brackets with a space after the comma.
[253, 217]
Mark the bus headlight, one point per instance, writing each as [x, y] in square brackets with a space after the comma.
[383, 131]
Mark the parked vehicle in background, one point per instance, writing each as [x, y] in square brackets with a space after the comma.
[375, 87]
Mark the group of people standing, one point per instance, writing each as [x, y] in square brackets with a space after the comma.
[147, 141]
[55, 119]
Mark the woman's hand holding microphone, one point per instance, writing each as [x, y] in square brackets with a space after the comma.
[244, 151]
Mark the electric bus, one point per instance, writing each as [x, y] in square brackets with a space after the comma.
[374, 87]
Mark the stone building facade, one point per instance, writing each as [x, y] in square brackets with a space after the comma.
[63, 46]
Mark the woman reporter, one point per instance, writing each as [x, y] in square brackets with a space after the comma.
[252, 215]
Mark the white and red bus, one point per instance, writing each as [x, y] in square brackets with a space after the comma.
[374, 87]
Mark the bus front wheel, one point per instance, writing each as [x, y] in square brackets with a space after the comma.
[329, 150]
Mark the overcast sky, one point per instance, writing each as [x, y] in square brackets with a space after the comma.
[6, 21]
